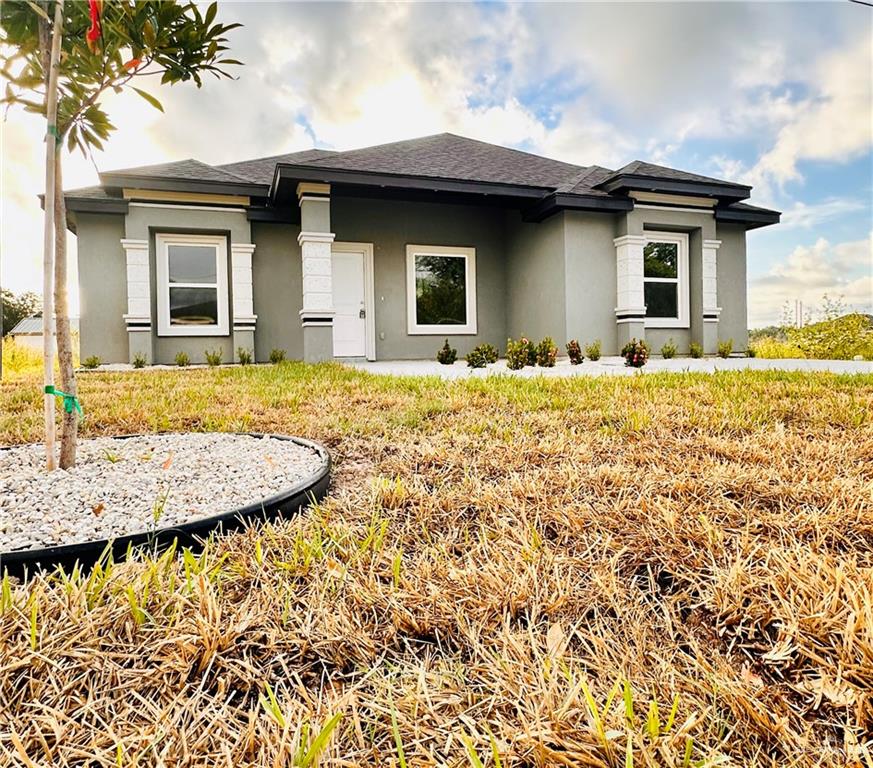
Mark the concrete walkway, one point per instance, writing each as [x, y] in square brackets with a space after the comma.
[609, 366]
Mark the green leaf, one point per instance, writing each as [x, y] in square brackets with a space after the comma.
[149, 98]
[210, 13]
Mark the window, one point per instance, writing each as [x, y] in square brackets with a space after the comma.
[440, 289]
[192, 285]
[665, 279]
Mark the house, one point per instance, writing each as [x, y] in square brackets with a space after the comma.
[28, 331]
[384, 252]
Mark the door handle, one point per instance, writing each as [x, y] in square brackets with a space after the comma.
[362, 314]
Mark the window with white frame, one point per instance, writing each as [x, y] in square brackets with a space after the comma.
[665, 279]
[440, 289]
[192, 285]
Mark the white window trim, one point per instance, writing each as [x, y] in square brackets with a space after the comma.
[162, 242]
[681, 280]
[469, 255]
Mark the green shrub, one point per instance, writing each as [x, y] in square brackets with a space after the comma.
[635, 353]
[695, 350]
[91, 362]
[490, 352]
[593, 350]
[546, 353]
[475, 359]
[519, 353]
[839, 338]
[139, 360]
[243, 355]
[213, 357]
[446, 355]
[574, 352]
[277, 356]
[725, 348]
[668, 351]
[182, 359]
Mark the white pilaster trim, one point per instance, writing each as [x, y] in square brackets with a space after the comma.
[630, 304]
[315, 237]
[709, 276]
[241, 268]
[139, 297]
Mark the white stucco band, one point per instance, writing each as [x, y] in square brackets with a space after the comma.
[630, 302]
[709, 272]
[139, 305]
[243, 302]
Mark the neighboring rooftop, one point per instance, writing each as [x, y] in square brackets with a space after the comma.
[32, 326]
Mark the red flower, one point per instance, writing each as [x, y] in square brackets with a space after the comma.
[132, 64]
[95, 8]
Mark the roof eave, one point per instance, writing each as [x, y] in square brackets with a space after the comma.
[203, 186]
[750, 219]
[726, 191]
[561, 201]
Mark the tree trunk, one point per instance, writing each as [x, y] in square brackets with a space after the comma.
[51, 147]
[69, 421]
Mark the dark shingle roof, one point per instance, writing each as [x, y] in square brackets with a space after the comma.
[446, 156]
[585, 183]
[187, 170]
[89, 193]
[650, 170]
[261, 170]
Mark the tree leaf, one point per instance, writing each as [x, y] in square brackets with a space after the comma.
[149, 98]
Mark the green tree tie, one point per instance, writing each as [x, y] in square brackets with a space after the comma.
[70, 401]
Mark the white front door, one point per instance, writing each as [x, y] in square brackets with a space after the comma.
[349, 303]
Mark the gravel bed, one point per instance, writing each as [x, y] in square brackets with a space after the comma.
[120, 487]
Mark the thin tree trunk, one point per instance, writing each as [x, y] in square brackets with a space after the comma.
[69, 421]
[51, 146]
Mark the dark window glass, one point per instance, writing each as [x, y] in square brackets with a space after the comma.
[662, 299]
[440, 290]
[192, 263]
[193, 306]
[661, 259]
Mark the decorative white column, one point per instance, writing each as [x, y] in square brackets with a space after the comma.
[711, 310]
[315, 240]
[138, 318]
[630, 308]
[244, 317]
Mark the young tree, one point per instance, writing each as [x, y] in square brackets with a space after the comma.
[103, 46]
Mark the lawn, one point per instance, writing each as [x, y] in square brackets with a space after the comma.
[663, 570]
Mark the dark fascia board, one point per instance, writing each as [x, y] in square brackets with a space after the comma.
[183, 185]
[94, 205]
[397, 181]
[569, 202]
[626, 181]
[752, 219]
[280, 215]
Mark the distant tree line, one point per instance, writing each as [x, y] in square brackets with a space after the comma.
[14, 308]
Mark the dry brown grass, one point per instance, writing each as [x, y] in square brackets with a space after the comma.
[494, 559]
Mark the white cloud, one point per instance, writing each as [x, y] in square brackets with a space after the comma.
[816, 214]
[808, 272]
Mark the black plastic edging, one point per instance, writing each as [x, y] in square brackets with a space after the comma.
[288, 502]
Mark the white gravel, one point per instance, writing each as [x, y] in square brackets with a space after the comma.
[118, 484]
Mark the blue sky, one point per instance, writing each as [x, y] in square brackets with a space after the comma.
[777, 95]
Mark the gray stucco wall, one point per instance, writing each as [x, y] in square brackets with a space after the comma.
[732, 289]
[102, 287]
[391, 225]
[535, 292]
[142, 223]
[591, 279]
[277, 287]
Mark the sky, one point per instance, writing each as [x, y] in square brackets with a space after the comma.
[776, 95]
